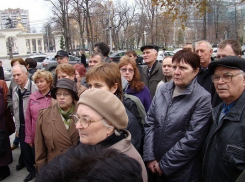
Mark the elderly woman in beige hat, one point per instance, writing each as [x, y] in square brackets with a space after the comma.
[103, 122]
[55, 131]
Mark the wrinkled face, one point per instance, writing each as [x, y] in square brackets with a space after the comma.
[64, 75]
[183, 73]
[42, 84]
[167, 67]
[229, 91]
[127, 71]
[131, 56]
[20, 78]
[100, 84]
[94, 61]
[64, 99]
[62, 60]
[227, 51]
[96, 131]
[204, 53]
[149, 56]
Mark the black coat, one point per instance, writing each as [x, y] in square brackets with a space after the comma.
[83, 60]
[6, 158]
[1, 73]
[134, 123]
[205, 80]
[224, 149]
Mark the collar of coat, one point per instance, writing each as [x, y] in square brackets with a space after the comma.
[235, 113]
[189, 88]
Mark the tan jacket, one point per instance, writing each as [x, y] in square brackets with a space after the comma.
[52, 138]
[125, 146]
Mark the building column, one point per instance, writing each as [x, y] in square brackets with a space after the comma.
[31, 46]
[36, 45]
[42, 45]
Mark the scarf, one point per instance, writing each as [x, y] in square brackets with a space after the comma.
[67, 116]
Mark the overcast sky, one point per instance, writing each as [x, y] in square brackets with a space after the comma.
[39, 10]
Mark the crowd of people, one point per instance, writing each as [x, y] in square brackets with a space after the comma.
[181, 119]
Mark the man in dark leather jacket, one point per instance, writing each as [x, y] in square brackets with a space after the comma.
[224, 149]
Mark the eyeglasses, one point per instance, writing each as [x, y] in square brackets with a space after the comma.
[59, 94]
[226, 77]
[124, 70]
[83, 121]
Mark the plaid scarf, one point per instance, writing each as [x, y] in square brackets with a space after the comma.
[67, 116]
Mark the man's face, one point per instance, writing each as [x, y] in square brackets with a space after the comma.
[189, 46]
[20, 78]
[231, 90]
[149, 56]
[0, 64]
[204, 53]
[227, 51]
[131, 56]
[94, 61]
[167, 67]
[62, 60]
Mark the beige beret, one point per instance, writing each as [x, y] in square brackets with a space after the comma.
[107, 105]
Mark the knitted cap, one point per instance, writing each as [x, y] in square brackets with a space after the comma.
[107, 105]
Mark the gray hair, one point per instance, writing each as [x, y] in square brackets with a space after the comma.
[97, 54]
[106, 124]
[204, 41]
[23, 68]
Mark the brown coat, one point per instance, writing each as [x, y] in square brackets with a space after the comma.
[52, 138]
[125, 146]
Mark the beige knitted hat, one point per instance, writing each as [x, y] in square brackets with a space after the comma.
[107, 105]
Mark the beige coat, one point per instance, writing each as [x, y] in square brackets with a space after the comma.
[52, 138]
[125, 146]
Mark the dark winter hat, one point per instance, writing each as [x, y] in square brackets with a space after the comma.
[67, 84]
[62, 54]
[233, 62]
[107, 105]
[150, 46]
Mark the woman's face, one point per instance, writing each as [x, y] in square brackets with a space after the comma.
[100, 84]
[79, 78]
[127, 71]
[96, 131]
[42, 85]
[64, 99]
[64, 75]
[183, 73]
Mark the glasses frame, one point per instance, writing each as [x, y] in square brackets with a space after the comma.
[230, 77]
[81, 123]
[62, 94]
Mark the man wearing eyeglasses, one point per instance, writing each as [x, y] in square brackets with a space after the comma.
[224, 149]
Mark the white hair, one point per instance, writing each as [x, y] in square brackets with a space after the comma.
[204, 41]
[23, 68]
